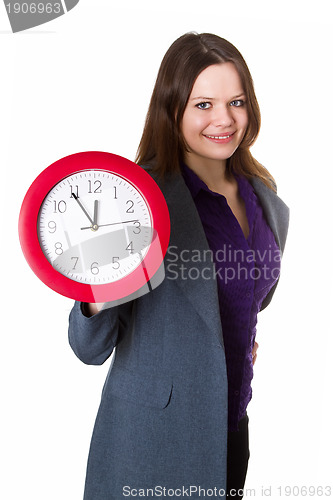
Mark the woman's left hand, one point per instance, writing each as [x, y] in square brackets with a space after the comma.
[254, 352]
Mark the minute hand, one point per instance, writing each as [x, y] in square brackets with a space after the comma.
[112, 223]
[82, 207]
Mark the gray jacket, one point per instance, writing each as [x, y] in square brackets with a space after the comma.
[162, 421]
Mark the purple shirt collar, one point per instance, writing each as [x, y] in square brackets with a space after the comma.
[195, 184]
[246, 191]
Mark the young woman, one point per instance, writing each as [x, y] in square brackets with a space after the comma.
[172, 420]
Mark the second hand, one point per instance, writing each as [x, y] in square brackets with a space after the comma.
[112, 224]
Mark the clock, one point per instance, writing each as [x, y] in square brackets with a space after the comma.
[94, 227]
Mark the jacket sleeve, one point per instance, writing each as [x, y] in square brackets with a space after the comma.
[93, 339]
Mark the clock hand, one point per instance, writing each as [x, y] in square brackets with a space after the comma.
[112, 224]
[81, 206]
[95, 213]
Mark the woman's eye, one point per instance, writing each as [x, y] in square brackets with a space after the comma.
[203, 105]
[237, 103]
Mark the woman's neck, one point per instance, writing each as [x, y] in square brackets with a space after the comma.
[212, 172]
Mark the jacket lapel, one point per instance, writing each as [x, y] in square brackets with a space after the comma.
[275, 210]
[188, 260]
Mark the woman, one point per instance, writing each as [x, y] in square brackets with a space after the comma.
[174, 403]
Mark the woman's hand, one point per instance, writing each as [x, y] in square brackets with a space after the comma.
[92, 309]
[254, 352]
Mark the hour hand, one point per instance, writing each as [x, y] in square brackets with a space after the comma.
[95, 213]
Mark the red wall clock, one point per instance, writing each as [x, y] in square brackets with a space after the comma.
[94, 227]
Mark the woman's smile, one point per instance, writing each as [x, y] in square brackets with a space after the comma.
[220, 139]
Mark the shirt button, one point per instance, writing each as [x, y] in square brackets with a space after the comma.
[236, 393]
[248, 294]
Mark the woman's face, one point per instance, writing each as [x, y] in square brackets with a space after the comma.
[215, 117]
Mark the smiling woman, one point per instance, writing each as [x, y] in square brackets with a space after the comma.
[174, 405]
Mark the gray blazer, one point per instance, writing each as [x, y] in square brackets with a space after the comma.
[162, 421]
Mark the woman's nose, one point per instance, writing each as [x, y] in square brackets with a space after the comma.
[222, 116]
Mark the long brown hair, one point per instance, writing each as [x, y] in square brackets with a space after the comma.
[162, 145]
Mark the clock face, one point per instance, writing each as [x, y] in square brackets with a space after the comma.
[94, 227]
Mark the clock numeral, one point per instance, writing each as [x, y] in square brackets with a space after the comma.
[115, 262]
[58, 248]
[93, 268]
[60, 206]
[115, 192]
[130, 208]
[77, 258]
[52, 226]
[97, 186]
[76, 191]
[130, 247]
[138, 227]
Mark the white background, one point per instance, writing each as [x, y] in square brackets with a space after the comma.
[83, 82]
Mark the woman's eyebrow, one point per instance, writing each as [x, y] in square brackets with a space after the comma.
[203, 98]
[242, 94]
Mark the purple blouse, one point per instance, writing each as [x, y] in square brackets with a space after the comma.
[246, 270]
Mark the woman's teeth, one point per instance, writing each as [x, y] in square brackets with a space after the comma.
[218, 136]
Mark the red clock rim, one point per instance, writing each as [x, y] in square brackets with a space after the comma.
[93, 160]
